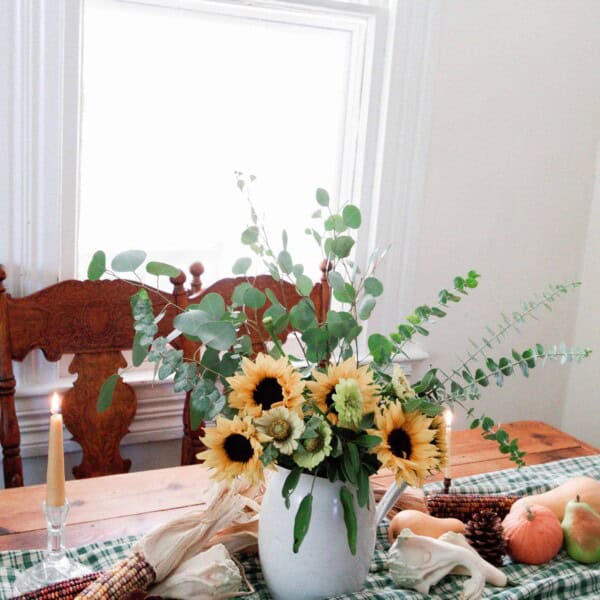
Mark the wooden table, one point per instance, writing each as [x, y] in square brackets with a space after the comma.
[108, 507]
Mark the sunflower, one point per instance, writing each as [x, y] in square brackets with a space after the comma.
[234, 448]
[312, 451]
[407, 446]
[438, 425]
[400, 384]
[283, 426]
[323, 386]
[264, 384]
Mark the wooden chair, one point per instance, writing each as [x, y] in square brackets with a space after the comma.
[286, 294]
[91, 320]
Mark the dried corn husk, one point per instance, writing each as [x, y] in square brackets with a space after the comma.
[228, 518]
[206, 576]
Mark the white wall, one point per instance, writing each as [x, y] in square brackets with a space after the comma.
[581, 410]
[516, 121]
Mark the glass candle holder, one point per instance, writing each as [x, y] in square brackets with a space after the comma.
[56, 565]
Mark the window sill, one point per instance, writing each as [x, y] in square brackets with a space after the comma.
[158, 416]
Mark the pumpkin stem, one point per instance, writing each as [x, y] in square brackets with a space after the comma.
[577, 498]
[529, 513]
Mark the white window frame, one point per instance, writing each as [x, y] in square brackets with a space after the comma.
[394, 54]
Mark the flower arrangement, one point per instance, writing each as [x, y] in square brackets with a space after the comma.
[327, 413]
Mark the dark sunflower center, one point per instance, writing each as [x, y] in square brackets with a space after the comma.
[267, 393]
[400, 444]
[329, 399]
[238, 448]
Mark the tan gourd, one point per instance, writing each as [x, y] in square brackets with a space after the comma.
[423, 524]
[586, 488]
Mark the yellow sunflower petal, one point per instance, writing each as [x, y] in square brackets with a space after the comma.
[265, 383]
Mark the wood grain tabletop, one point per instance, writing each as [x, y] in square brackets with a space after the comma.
[103, 508]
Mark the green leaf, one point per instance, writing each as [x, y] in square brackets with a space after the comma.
[139, 350]
[290, 484]
[106, 393]
[302, 315]
[346, 294]
[373, 286]
[284, 260]
[487, 423]
[336, 281]
[475, 423]
[351, 216]
[316, 341]
[161, 268]
[304, 285]
[342, 246]
[219, 335]
[302, 521]
[213, 305]
[380, 348]
[210, 363]
[335, 223]
[362, 494]
[273, 299]
[254, 298]
[269, 454]
[284, 239]
[247, 295]
[340, 325]
[241, 265]
[366, 306]
[250, 235]
[505, 366]
[347, 501]
[206, 402]
[279, 316]
[368, 441]
[128, 261]
[481, 378]
[97, 266]
[322, 197]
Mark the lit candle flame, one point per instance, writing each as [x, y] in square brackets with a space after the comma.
[55, 404]
[448, 416]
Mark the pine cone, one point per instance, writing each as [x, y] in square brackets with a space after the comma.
[485, 533]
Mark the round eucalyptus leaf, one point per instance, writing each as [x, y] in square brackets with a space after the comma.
[351, 216]
[128, 261]
[322, 197]
[241, 265]
[161, 268]
[97, 266]
[373, 286]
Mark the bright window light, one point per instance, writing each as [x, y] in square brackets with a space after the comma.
[175, 101]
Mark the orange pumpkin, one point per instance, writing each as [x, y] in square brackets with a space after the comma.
[533, 533]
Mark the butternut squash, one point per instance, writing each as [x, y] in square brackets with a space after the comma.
[586, 488]
[423, 524]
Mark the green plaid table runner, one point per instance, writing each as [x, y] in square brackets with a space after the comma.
[562, 578]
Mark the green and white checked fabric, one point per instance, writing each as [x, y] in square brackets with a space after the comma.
[561, 579]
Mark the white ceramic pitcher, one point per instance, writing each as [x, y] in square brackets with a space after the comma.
[324, 566]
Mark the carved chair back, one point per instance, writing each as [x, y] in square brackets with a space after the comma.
[91, 320]
[288, 297]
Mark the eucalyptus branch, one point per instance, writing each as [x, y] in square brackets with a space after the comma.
[517, 317]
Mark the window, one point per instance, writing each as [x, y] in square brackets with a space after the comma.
[174, 101]
[370, 65]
